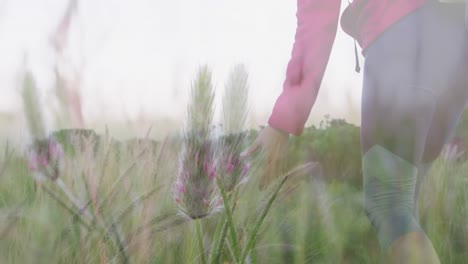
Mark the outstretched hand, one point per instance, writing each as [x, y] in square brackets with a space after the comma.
[273, 144]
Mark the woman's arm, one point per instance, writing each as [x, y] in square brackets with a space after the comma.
[317, 22]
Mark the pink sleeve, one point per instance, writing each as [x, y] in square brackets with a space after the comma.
[317, 23]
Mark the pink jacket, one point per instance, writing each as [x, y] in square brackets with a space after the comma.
[317, 23]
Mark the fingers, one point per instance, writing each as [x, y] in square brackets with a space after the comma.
[273, 166]
[268, 175]
[250, 150]
[274, 145]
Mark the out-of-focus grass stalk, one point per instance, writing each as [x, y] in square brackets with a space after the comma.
[201, 247]
[97, 224]
[33, 113]
[231, 251]
[13, 215]
[62, 115]
[73, 199]
[62, 203]
[220, 236]
[235, 101]
[120, 239]
[12, 218]
[232, 228]
[253, 254]
[67, 93]
[327, 217]
[93, 222]
[109, 147]
[253, 234]
[7, 156]
[200, 110]
[139, 199]
[235, 109]
[32, 108]
[66, 89]
[158, 224]
[114, 188]
[221, 232]
[60, 34]
[444, 209]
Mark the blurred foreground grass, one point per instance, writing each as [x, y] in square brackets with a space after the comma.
[315, 219]
[81, 196]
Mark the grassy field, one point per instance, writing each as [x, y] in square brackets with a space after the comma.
[77, 196]
[107, 208]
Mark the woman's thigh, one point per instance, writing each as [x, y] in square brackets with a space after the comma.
[413, 92]
[448, 110]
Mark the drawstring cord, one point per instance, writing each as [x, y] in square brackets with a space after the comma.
[356, 54]
[358, 67]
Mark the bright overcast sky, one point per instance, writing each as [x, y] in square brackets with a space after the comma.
[141, 55]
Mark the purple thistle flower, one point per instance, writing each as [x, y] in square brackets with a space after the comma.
[206, 167]
[229, 169]
[212, 171]
[197, 166]
[55, 150]
[245, 168]
[230, 166]
[194, 189]
[180, 186]
[45, 156]
[37, 159]
[234, 170]
[33, 163]
[42, 160]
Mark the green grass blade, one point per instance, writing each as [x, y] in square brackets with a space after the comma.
[219, 243]
[232, 228]
[131, 206]
[200, 241]
[77, 215]
[253, 235]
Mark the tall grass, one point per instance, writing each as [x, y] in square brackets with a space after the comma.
[113, 201]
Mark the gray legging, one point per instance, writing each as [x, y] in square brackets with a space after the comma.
[415, 89]
[416, 83]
